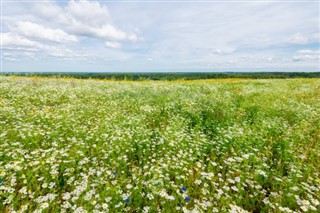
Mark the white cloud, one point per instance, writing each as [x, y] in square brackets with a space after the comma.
[113, 45]
[106, 31]
[11, 39]
[92, 13]
[24, 47]
[18, 55]
[84, 18]
[297, 38]
[306, 55]
[34, 30]
[222, 51]
[264, 41]
[308, 51]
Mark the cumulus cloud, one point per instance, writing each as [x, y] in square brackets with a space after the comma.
[106, 31]
[113, 45]
[34, 30]
[11, 39]
[84, 18]
[19, 46]
[92, 13]
[306, 55]
[51, 29]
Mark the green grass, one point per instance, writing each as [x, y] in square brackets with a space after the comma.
[70, 145]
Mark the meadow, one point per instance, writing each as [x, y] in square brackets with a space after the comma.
[224, 145]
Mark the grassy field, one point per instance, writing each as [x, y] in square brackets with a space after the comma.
[227, 145]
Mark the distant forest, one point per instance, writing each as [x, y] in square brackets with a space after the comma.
[168, 76]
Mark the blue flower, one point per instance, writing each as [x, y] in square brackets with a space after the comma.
[187, 198]
[127, 200]
[1, 182]
[183, 189]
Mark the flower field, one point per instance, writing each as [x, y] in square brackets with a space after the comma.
[227, 145]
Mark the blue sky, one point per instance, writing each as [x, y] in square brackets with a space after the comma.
[155, 36]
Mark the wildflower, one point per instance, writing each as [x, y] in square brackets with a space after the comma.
[51, 185]
[237, 179]
[215, 209]
[304, 208]
[183, 189]
[105, 206]
[118, 205]
[235, 209]
[295, 188]
[187, 198]
[108, 199]
[266, 200]
[285, 209]
[23, 190]
[1, 182]
[24, 208]
[234, 188]
[44, 205]
[146, 209]
[263, 173]
[66, 205]
[150, 196]
[231, 181]
[198, 182]
[313, 208]
[214, 163]
[315, 202]
[129, 186]
[163, 193]
[66, 196]
[170, 197]
[44, 185]
[127, 200]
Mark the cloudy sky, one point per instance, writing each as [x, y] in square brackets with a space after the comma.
[154, 36]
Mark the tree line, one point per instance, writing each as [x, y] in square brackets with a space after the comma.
[168, 76]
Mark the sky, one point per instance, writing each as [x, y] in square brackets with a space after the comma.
[159, 36]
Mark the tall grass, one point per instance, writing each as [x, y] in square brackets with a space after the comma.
[71, 145]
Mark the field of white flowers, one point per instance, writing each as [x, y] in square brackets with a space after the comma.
[71, 145]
